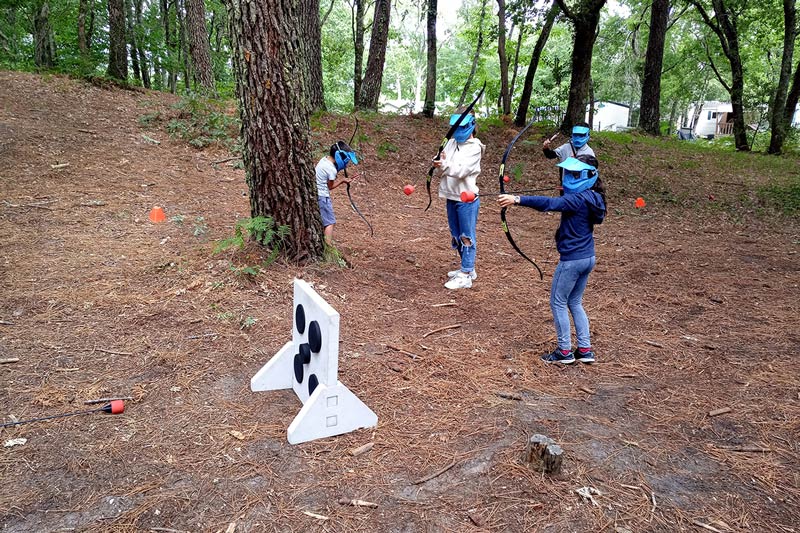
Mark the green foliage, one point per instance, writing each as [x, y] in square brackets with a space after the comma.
[782, 197]
[333, 256]
[203, 121]
[262, 230]
[384, 148]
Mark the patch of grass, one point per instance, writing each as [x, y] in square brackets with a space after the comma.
[203, 121]
[333, 256]
[386, 147]
[784, 198]
[263, 230]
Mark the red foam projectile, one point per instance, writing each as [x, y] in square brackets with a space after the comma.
[640, 203]
[467, 196]
[408, 189]
[115, 407]
[506, 178]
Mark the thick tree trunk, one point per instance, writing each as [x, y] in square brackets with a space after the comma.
[650, 104]
[505, 100]
[358, 47]
[430, 78]
[199, 47]
[117, 45]
[527, 88]
[171, 78]
[312, 39]
[778, 124]
[515, 65]
[585, 24]
[44, 41]
[267, 53]
[373, 77]
[475, 57]
[84, 8]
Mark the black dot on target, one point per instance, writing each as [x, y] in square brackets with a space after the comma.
[305, 353]
[300, 319]
[298, 368]
[314, 337]
[312, 383]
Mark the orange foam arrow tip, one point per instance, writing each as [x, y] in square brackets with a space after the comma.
[640, 203]
[506, 179]
[408, 189]
[467, 196]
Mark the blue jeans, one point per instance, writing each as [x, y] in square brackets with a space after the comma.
[569, 282]
[462, 217]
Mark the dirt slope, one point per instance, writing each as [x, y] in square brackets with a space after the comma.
[693, 307]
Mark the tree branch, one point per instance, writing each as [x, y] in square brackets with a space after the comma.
[565, 9]
[714, 67]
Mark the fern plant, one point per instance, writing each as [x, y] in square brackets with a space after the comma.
[261, 229]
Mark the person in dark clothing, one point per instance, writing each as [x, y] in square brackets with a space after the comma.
[582, 206]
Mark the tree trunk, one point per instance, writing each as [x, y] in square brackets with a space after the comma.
[169, 42]
[476, 57]
[267, 54]
[373, 77]
[312, 52]
[183, 43]
[145, 66]
[793, 97]
[84, 8]
[591, 104]
[527, 88]
[44, 41]
[430, 79]
[358, 47]
[650, 104]
[505, 100]
[585, 24]
[117, 43]
[515, 66]
[131, 32]
[777, 122]
[199, 47]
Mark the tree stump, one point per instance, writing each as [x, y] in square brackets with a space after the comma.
[543, 454]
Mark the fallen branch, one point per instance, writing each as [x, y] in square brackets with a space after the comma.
[411, 355]
[203, 335]
[509, 395]
[698, 523]
[37, 206]
[358, 503]
[9, 360]
[355, 452]
[587, 390]
[150, 139]
[60, 165]
[87, 131]
[104, 400]
[112, 352]
[454, 326]
[451, 304]
[745, 449]
[653, 343]
[435, 474]
[5, 323]
[720, 411]
[218, 161]
[315, 515]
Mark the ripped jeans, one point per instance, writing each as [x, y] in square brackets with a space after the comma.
[462, 217]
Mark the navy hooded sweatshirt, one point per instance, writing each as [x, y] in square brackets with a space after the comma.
[579, 213]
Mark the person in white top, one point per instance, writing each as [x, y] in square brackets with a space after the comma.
[328, 167]
[460, 165]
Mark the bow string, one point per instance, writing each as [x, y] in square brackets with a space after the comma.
[349, 196]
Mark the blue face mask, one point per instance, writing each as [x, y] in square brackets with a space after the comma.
[580, 136]
[578, 176]
[342, 158]
[466, 128]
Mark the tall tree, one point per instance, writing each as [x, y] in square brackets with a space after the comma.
[199, 47]
[169, 42]
[650, 103]
[117, 42]
[138, 29]
[267, 55]
[85, 9]
[44, 40]
[505, 97]
[585, 17]
[430, 79]
[476, 57]
[724, 24]
[131, 33]
[778, 123]
[357, 13]
[312, 39]
[373, 76]
[793, 97]
[525, 98]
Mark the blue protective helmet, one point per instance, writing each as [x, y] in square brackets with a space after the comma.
[578, 175]
[343, 154]
[580, 135]
[466, 128]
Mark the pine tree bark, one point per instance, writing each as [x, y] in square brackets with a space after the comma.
[585, 22]
[267, 54]
[429, 108]
[505, 100]
[525, 98]
[312, 39]
[199, 48]
[117, 45]
[373, 77]
[358, 48]
[650, 103]
[778, 123]
[44, 41]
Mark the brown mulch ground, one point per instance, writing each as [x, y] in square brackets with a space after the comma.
[694, 308]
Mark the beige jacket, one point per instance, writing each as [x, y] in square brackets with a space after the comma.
[460, 168]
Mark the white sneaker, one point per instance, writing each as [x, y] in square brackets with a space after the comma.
[454, 273]
[461, 280]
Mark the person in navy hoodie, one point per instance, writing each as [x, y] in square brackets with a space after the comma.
[582, 206]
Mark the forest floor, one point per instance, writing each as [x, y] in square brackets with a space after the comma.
[694, 309]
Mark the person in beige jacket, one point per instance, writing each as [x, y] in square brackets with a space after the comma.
[460, 165]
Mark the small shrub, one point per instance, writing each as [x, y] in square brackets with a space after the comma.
[384, 148]
[263, 230]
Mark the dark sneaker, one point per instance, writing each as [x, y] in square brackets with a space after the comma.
[557, 357]
[583, 357]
